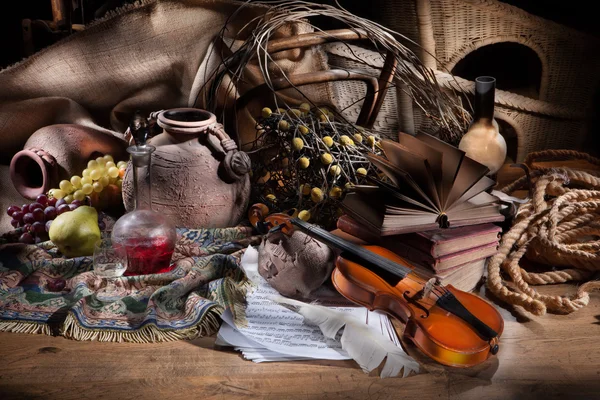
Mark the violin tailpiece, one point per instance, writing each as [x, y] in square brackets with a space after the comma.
[451, 304]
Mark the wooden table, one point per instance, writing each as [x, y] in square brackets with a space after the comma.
[554, 356]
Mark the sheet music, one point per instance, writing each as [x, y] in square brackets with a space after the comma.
[274, 333]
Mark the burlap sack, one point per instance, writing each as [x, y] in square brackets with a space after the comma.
[150, 56]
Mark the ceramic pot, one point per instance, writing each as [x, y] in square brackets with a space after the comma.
[483, 141]
[58, 152]
[200, 179]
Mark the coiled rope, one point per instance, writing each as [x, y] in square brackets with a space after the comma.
[559, 227]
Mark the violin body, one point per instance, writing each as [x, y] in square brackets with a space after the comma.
[438, 333]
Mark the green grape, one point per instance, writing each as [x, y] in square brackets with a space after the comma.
[108, 158]
[119, 183]
[87, 188]
[66, 186]
[92, 164]
[109, 164]
[100, 161]
[86, 180]
[97, 187]
[96, 174]
[69, 198]
[76, 181]
[122, 164]
[58, 194]
[103, 181]
[86, 172]
[113, 172]
[79, 195]
[112, 180]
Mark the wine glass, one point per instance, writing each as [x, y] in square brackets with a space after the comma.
[110, 262]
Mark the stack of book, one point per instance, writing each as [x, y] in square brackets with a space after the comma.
[457, 256]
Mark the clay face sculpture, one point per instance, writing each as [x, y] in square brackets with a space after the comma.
[294, 265]
[200, 179]
[57, 152]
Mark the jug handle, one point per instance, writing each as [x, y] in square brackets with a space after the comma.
[236, 163]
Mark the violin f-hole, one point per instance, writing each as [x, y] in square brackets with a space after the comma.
[416, 304]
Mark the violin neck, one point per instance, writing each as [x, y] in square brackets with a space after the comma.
[359, 253]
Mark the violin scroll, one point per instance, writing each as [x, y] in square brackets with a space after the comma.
[263, 222]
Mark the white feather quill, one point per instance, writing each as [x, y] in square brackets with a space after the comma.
[363, 343]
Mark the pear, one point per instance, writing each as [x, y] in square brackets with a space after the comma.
[76, 232]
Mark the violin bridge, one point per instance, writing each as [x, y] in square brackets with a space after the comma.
[429, 287]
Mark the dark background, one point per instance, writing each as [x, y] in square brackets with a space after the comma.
[574, 13]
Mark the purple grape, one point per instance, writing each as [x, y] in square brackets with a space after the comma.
[76, 202]
[50, 212]
[73, 207]
[18, 215]
[26, 227]
[101, 225]
[48, 223]
[38, 228]
[35, 206]
[42, 199]
[28, 218]
[52, 202]
[63, 208]
[14, 223]
[26, 238]
[60, 203]
[38, 214]
[25, 208]
[12, 209]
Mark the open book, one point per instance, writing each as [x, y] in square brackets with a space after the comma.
[430, 185]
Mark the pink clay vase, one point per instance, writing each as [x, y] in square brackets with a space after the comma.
[58, 152]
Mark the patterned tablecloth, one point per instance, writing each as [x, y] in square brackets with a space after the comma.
[41, 292]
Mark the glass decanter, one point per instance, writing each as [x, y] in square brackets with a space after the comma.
[148, 236]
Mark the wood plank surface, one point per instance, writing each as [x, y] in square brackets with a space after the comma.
[549, 357]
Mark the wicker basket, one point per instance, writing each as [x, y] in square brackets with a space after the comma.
[538, 125]
[449, 30]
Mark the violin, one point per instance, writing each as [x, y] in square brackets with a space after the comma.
[452, 327]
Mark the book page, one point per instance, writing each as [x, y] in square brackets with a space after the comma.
[415, 164]
[433, 157]
[400, 178]
[451, 159]
[469, 173]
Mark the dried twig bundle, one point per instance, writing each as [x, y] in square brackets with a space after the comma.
[305, 159]
[419, 81]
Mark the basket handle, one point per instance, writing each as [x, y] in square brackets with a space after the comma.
[375, 92]
[320, 77]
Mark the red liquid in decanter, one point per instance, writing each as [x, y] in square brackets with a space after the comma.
[148, 256]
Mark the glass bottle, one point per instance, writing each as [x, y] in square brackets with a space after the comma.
[148, 236]
[483, 141]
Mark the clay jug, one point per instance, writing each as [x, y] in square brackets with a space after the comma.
[57, 152]
[200, 179]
